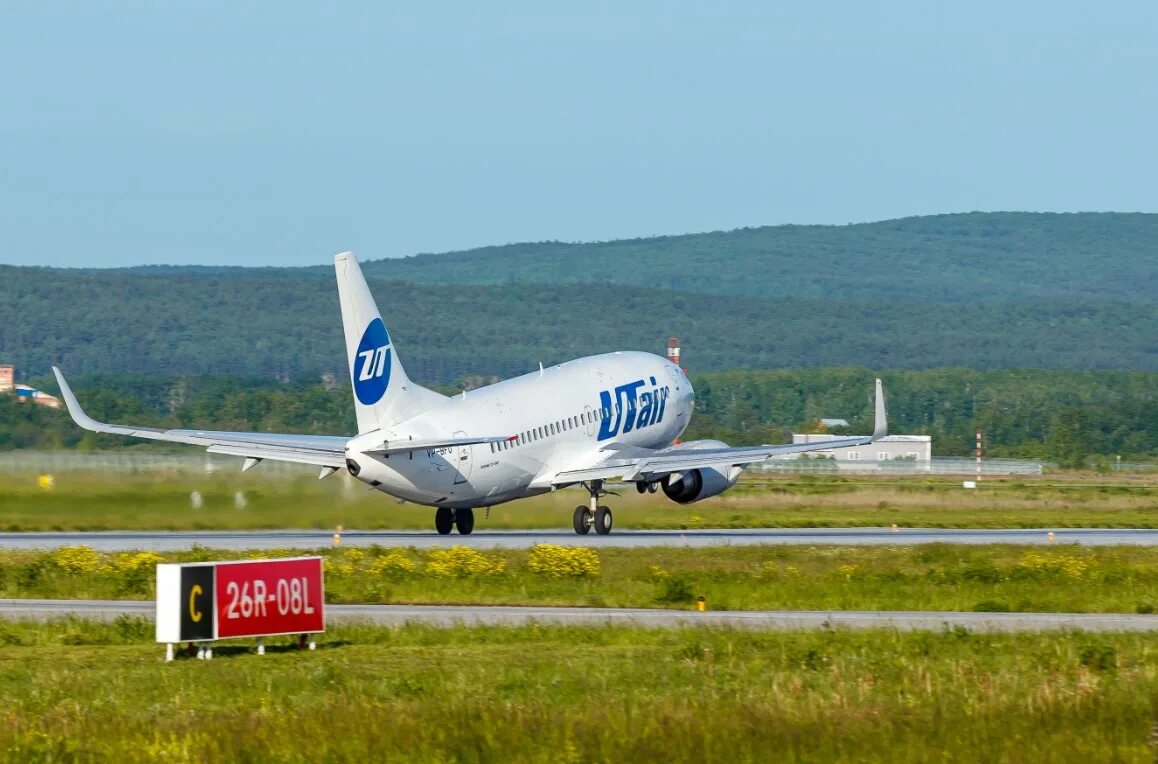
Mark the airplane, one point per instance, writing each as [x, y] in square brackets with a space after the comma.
[615, 417]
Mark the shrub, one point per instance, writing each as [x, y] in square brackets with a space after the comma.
[676, 588]
[990, 606]
[563, 562]
[1099, 657]
[133, 628]
[129, 562]
[1035, 565]
[986, 574]
[333, 567]
[463, 562]
[76, 559]
[32, 573]
[394, 564]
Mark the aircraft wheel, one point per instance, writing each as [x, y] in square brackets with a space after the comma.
[652, 487]
[464, 521]
[582, 520]
[641, 486]
[443, 520]
[603, 520]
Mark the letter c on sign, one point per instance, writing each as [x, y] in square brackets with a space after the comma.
[194, 613]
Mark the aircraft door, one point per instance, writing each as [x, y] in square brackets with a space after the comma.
[603, 381]
[461, 460]
[677, 382]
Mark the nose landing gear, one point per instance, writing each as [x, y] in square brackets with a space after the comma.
[596, 515]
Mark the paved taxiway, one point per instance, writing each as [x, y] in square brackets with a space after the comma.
[483, 539]
[445, 615]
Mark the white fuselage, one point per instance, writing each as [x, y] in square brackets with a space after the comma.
[560, 419]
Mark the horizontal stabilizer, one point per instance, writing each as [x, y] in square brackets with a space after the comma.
[255, 452]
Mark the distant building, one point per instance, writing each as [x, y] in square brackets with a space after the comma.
[823, 425]
[917, 448]
[24, 392]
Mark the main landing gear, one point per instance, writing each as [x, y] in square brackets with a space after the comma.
[595, 516]
[445, 519]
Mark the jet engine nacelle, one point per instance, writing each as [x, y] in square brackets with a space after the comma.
[703, 482]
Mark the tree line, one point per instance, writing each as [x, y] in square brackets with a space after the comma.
[1058, 416]
[279, 326]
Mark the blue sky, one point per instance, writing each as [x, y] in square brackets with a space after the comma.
[280, 133]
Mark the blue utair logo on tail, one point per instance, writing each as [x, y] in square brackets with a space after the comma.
[372, 364]
[631, 409]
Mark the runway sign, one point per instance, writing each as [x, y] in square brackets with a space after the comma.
[203, 601]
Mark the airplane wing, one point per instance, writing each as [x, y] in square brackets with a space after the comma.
[319, 450]
[635, 464]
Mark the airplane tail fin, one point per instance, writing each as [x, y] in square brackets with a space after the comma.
[383, 394]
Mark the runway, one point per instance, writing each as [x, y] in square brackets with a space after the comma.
[447, 615]
[311, 539]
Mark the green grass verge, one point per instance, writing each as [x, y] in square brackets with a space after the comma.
[161, 501]
[926, 577]
[78, 691]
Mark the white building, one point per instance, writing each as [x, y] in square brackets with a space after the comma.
[914, 448]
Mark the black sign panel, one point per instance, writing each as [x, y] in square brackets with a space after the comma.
[197, 603]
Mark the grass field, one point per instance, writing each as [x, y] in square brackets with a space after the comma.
[928, 577]
[77, 691]
[161, 500]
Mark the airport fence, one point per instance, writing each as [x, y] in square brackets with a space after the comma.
[49, 462]
[1109, 465]
[129, 462]
[901, 467]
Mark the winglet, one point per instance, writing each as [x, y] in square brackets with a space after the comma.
[74, 409]
[881, 422]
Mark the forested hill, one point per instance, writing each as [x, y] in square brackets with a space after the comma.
[942, 258]
[993, 256]
[282, 325]
[979, 290]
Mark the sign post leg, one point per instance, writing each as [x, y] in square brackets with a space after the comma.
[168, 652]
[260, 646]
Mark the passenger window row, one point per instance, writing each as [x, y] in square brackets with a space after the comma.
[552, 428]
